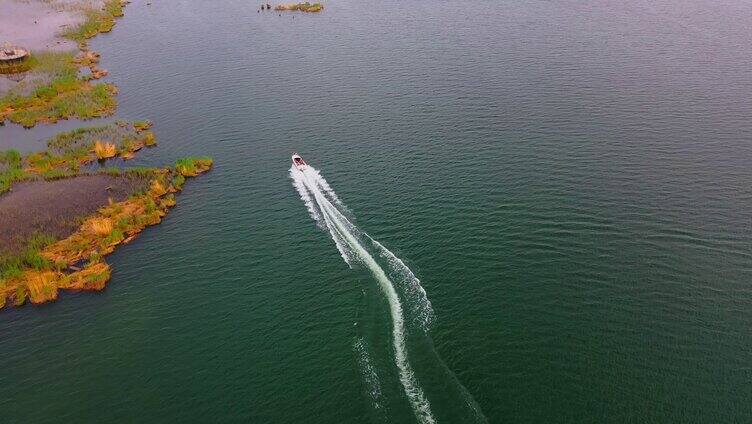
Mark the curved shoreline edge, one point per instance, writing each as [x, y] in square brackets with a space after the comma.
[45, 264]
[77, 263]
[53, 88]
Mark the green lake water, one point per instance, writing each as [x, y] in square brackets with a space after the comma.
[570, 182]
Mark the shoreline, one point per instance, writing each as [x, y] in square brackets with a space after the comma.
[59, 73]
[74, 211]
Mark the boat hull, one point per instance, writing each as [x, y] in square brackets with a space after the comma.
[298, 162]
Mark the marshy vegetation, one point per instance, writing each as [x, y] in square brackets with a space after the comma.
[63, 98]
[11, 169]
[46, 265]
[192, 166]
[12, 266]
[142, 125]
[302, 7]
[53, 89]
[96, 21]
[68, 253]
[68, 151]
[104, 150]
[42, 69]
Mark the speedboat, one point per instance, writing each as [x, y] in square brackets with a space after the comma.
[298, 162]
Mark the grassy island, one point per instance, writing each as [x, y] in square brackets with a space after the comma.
[40, 255]
[302, 7]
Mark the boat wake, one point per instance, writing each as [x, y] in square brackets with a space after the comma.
[369, 372]
[357, 247]
[320, 200]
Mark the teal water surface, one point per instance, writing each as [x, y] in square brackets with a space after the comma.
[570, 182]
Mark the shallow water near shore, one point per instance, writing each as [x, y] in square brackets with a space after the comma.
[570, 182]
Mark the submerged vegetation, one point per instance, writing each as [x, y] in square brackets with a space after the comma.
[302, 7]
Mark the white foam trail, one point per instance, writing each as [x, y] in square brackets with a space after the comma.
[369, 372]
[344, 232]
[313, 175]
[421, 309]
[301, 184]
[303, 191]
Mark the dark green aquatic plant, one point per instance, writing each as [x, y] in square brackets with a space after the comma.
[12, 266]
[10, 169]
[192, 166]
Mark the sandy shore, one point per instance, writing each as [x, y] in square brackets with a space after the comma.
[37, 207]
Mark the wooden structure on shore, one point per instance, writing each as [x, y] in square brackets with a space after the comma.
[13, 59]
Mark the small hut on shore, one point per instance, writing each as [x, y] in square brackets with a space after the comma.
[13, 59]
